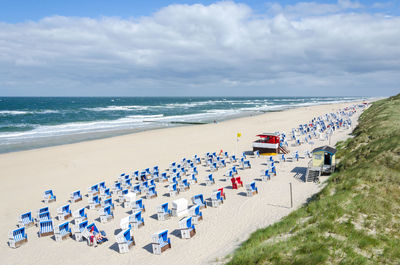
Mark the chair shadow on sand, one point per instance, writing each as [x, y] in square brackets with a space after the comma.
[300, 173]
[149, 248]
[114, 247]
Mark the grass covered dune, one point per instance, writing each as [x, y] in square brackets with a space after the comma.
[355, 219]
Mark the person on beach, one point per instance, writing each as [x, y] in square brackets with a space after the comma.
[95, 236]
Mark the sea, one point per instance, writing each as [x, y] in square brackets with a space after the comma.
[34, 122]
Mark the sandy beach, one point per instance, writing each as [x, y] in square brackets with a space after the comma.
[25, 175]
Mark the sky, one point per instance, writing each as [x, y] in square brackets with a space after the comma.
[199, 48]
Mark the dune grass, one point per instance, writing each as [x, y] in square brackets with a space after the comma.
[355, 219]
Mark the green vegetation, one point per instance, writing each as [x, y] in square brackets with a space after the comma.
[355, 219]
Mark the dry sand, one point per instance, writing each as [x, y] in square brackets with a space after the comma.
[25, 175]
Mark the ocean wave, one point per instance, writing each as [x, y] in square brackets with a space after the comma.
[13, 112]
[25, 112]
[119, 108]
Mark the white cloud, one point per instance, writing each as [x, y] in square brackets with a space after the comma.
[220, 49]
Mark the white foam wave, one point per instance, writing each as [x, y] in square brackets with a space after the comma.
[13, 112]
[118, 108]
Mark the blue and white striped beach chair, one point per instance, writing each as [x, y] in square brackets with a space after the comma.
[193, 179]
[64, 212]
[164, 177]
[46, 228]
[106, 214]
[163, 213]
[139, 205]
[93, 190]
[76, 196]
[49, 196]
[216, 198]
[173, 179]
[105, 194]
[138, 220]
[94, 202]
[152, 182]
[273, 170]
[184, 185]
[79, 215]
[117, 188]
[145, 186]
[78, 229]
[127, 183]
[199, 200]
[125, 240]
[228, 175]
[121, 194]
[17, 237]
[102, 185]
[151, 192]
[173, 189]
[137, 189]
[186, 227]
[265, 175]
[107, 202]
[234, 170]
[210, 180]
[160, 242]
[195, 213]
[62, 231]
[214, 166]
[246, 164]
[43, 216]
[251, 189]
[26, 220]
[136, 174]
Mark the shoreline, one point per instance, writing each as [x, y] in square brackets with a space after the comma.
[65, 168]
[45, 142]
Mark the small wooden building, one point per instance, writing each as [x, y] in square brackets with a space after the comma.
[323, 161]
[324, 157]
[268, 143]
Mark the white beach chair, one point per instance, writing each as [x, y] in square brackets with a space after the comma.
[179, 207]
[186, 227]
[195, 213]
[79, 215]
[62, 231]
[216, 199]
[251, 189]
[17, 237]
[26, 220]
[163, 213]
[125, 240]
[160, 242]
[64, 212]
[78, 228]
[106, 214]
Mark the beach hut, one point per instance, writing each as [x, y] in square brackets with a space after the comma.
[322, 161]
[269, 143]
[324, 157]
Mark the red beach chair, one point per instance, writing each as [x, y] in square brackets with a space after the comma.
[222, 193]
[239, 181]
[234, 185]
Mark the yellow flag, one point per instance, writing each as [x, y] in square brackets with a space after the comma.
[238, 135]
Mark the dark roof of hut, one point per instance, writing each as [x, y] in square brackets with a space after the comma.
[325, 148]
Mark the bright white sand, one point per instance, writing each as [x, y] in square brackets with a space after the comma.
[25, 175]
